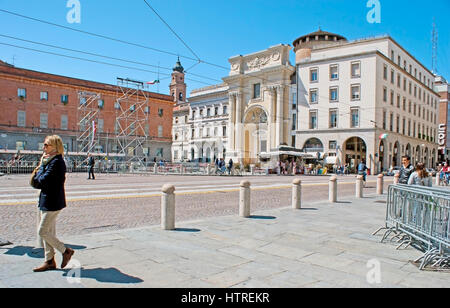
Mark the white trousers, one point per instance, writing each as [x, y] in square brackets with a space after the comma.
[47, 231]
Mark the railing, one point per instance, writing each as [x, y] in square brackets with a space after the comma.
[419, 216]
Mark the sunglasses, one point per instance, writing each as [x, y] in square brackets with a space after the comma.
[47, 145]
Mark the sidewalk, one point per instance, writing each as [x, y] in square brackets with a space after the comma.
[322, 245]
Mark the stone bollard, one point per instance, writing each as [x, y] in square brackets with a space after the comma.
[438, 179]
[244, 199]
[333, 189]
[396, 178]
[156, 168]
[359, 186]
[297, 194]
[168, 207]
[208, 171]
[380, 184]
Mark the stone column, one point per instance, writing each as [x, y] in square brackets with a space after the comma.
[280, 116]
[297, 194]
[238, 137]
[359, 186]
[380, 184]
[270, 119]
[168, 207]
[244, 199]
[231, 123]
[333, 189]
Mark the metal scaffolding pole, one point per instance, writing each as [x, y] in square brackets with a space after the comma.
[131, 125]
[88, 110]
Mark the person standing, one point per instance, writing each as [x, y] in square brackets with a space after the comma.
[230, 166]
[406, 170]
[91, 164]
[50, 179]
[362, 168]
[420, 177]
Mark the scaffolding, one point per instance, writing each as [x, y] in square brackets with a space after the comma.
[88, 110]
[131, 125]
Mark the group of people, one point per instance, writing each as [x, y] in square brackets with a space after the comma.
[410, 175]
[221, 167]
[444, 173]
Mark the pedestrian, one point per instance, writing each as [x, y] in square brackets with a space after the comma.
[362, 168]
[230, 166]
[50, 178]
[91, 164]
[406, 170]
[420, 176]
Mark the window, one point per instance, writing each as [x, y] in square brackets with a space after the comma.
[392, 98]
[117, 105]
[224, 131]
[410, 88]
[160, 131]
[314, 75]
[399, 80]
[208, 112]
[409, 128]
[398, 124]
[404, 104]
[21, 118]
[216, 111]
[356, 69]
[294, 121]
[404, 84]
[225, 109]
[355, 118]
[391, 122]
[208, 132]
[332, 145]
[100, 125]
[392, 76]
[147, 109]
[384, 120]
[334, 94]
[64, 122]
[193, 114]
[180, 97]
[385, 69]
[160, 112]
[313, 120]
[20, 145]
[392, 56]
[257, 90]
[356, 92]
[333, 118]
[215, 131]
[385, 95]
[101, 104]
[404, 126]
[65, 99]
[160, 152]
[313, 96]
[22, 93]
[44, 120]
[399, 61]
[44, 96]
[334, 72]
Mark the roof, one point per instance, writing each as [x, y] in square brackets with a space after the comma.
[321, 34]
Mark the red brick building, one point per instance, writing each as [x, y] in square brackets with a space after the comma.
[443, 88]
[35, 104]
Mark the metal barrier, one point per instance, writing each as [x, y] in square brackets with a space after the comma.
[419, 216]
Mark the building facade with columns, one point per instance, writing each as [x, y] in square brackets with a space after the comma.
[259, 90]
[368, 99]
[443, 88]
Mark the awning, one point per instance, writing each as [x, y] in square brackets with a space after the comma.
[332, 160]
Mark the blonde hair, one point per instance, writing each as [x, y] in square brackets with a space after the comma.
[57, 142]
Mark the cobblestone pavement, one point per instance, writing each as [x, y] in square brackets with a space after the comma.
[322, 245]
[114, 202]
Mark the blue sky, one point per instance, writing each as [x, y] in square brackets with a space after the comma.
[214, 30]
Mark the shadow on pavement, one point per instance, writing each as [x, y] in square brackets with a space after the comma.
[309, 209]
[262, 217]
[105, 275]
[32, 252]
[186, 230]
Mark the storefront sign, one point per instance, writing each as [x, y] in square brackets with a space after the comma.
[442, 137]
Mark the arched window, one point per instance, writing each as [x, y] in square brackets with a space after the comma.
[181, 96]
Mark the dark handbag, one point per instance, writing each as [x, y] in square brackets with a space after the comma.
[33, 182]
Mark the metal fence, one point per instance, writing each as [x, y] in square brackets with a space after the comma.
[419, 216]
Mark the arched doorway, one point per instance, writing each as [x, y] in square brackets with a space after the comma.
[381, 156]
[418, 155]
[313, 145]
[255, 134]
[354, 151]
[396, 155]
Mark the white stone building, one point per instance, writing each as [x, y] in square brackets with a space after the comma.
[368, 99]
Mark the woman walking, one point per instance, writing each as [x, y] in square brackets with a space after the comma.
[420, 177]
[50, 179]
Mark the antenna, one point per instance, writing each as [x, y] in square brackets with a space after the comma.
[434, 39]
